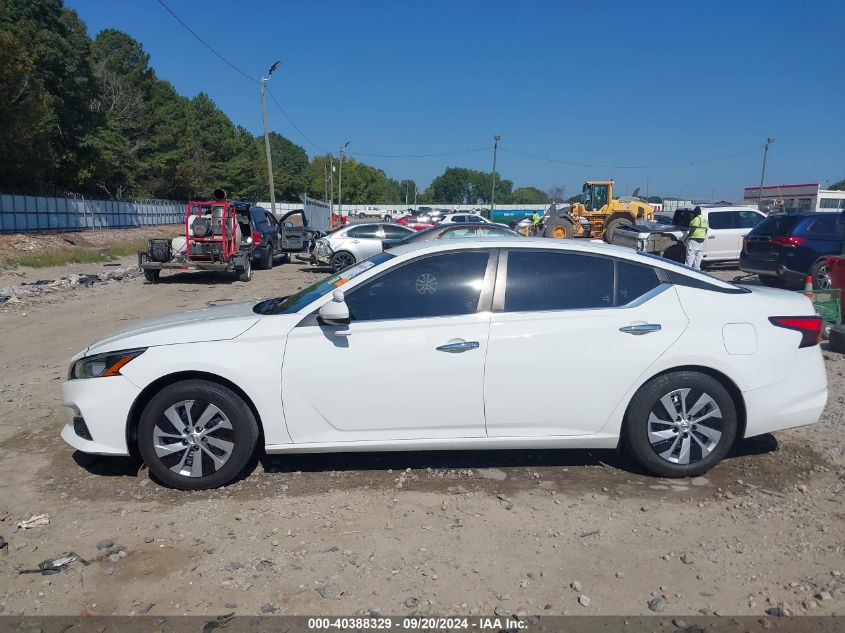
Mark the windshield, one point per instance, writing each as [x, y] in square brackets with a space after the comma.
[295, 302]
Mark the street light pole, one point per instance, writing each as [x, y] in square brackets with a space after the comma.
[340, 184]
[262, 81]
[496, 139]
[769, 141]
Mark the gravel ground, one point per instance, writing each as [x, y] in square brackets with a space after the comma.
[547, 532]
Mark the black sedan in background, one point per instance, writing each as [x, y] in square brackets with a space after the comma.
[452, 231]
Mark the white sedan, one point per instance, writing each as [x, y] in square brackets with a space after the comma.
[345, 246]
[623, 348]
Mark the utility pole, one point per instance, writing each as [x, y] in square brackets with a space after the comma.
[415, 196]
[331, 186]
[262, 81]
[769, 141]
[340, 184]
[496, 139]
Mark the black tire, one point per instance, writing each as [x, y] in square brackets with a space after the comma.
[820, 272]
[772, 282]
[152, 274]
[614, 224]
[704, 449]
[341, 260]
[362, 215]
[836, 339]
[559, 229]
[388, 218]
[232, 423]
[265, 262]
[245, 273]
[675, 252]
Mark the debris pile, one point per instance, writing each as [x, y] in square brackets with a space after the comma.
[43, 287]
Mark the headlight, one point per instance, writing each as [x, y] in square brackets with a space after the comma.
[100, 365]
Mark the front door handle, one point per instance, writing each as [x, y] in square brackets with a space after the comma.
[712, 237]
[641, 328]
[458, 347]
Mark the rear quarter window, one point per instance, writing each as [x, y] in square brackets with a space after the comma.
[820, 226]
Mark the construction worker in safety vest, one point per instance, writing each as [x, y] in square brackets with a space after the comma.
[535, 223]
[695, 239]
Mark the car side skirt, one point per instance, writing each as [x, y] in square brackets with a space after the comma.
[467, 443]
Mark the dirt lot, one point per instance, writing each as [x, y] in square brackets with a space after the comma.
[548, 532]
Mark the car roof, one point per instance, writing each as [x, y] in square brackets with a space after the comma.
[594, 247]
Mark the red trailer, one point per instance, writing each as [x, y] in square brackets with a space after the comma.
[215, 239]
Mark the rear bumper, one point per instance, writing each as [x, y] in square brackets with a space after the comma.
[766, 268]
[798, 400]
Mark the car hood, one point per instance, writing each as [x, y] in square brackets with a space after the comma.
[217, 323]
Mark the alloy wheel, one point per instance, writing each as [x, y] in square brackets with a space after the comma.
[193, 438]
[342, 260]
[684, 426]
[822, 280]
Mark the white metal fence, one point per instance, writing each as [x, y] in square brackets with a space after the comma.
[20, 214]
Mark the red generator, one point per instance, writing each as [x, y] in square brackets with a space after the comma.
[216, 233]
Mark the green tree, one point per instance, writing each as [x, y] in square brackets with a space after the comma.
[838, 186]
[528, 195]
[23, 137]
[61, 53]
[291, 173]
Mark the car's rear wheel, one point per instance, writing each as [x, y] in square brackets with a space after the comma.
[196, 434]
[341, 260]
[266, 262]
[680, 424]
[245, 273]
[821, 275]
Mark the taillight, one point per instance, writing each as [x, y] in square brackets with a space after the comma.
[810, 327]
[789, 241]
[256, 238]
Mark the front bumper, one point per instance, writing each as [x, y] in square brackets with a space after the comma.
[103, 404]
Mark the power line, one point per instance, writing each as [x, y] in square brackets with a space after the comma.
[238, 70]
[456, 153]
[655, 166]
[206, 44]
[295, 126]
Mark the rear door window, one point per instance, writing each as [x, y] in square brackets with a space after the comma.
[365, 231]
[547, 280]
[633, 281]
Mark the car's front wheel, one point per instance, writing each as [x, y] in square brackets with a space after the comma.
[680, 424]
[196, 434]
[341, 260]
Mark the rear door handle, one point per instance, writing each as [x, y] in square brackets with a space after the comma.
[458, 347]
[641, 328]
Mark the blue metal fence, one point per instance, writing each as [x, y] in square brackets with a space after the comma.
[19, 214]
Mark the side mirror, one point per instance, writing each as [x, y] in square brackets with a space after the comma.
[335, 312]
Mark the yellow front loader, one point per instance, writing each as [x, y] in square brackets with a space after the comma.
[597, 215]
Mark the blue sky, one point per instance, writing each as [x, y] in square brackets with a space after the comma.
[614, 83]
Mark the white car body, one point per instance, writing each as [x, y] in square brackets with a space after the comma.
[282, 363]
[465, 218]
[360, 241]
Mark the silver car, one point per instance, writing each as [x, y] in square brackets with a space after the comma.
[355, 242]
